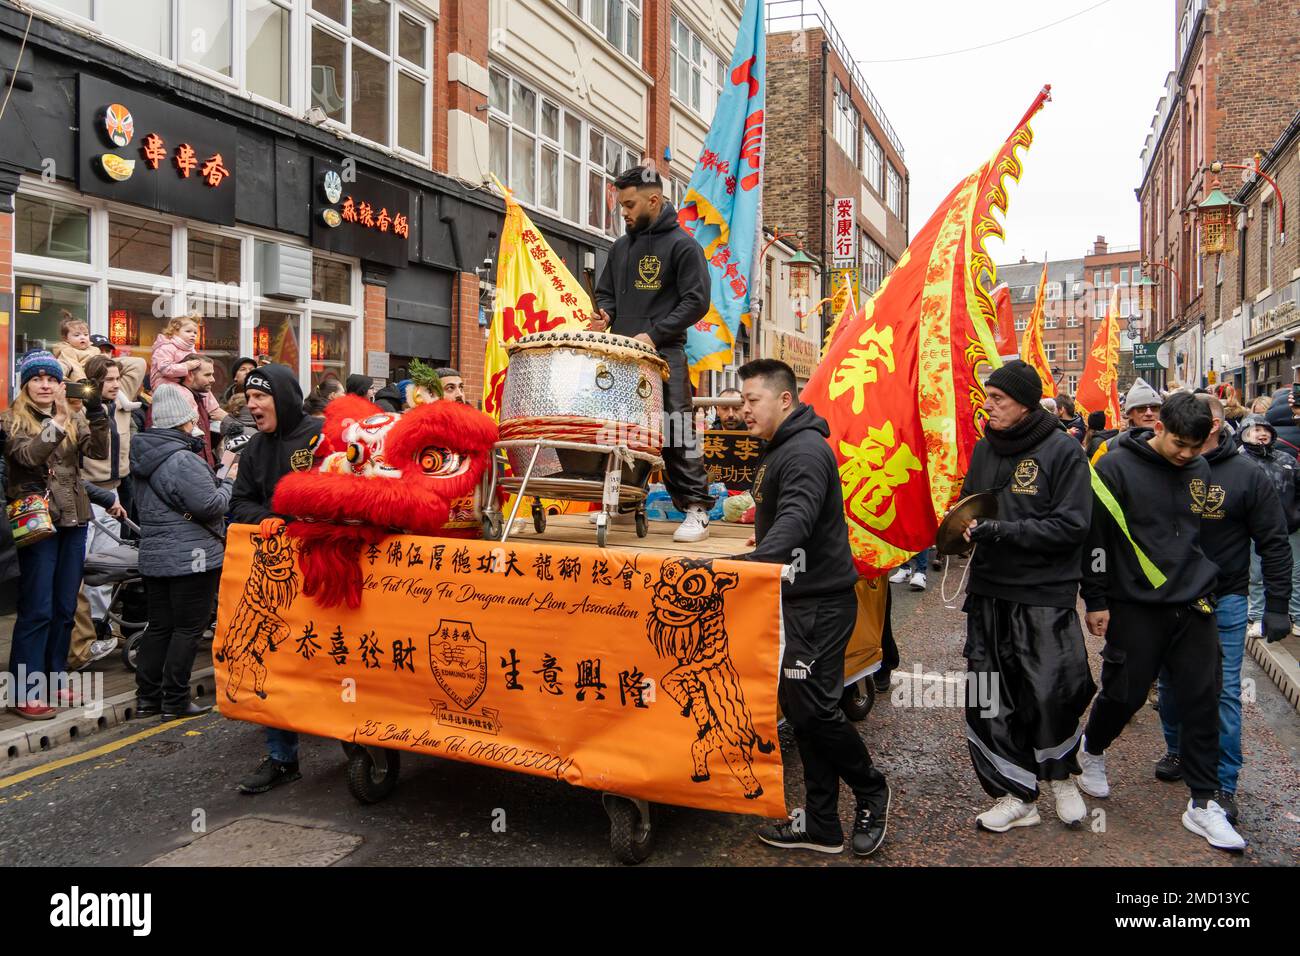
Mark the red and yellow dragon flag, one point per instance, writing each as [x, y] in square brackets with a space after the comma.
[1032, 351]
[1099, 386]
[897, 381]
[535, 293]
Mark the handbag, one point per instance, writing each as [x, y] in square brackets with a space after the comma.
[30, 519]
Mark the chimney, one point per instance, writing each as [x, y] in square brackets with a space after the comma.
[1023, 260]
[1099, 247]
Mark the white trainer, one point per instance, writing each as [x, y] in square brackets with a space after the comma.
[695, 527]
[1255, 629]
[901, 575]
[1211, 822]
[1008, 812]
[1069, 805]
[917, 581]
[1092, 780]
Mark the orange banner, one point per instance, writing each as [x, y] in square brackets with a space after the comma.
[615, 670]
[1099, 385]
[1031, 349]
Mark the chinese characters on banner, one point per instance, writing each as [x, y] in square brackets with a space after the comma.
[601, 668]
[845, 226]
[731, 458]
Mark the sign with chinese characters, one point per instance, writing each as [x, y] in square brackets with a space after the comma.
[137, 149]
[638, 674]
[844, 288]
[845, 239]
[359, 215]
[731, 458]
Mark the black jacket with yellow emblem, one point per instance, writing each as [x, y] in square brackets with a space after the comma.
[1161, 504]
[656, 281]
[269, 456]
[1241, 506]
[1043, 514]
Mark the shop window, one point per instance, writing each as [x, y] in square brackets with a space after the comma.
[331, 281]
[213, 258]
[55, 230]
[268, 41]
[205, 35]
[139, 245]
[135, 319]
[330, 349]
[145, 24]
[275, 337]
[40, 306]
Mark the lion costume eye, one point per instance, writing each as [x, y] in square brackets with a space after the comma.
[438, 461]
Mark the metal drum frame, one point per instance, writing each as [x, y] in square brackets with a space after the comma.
[631, 497]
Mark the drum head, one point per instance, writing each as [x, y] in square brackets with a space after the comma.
[978, 507]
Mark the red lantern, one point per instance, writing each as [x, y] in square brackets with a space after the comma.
[262, 341]
[317, 347]
[122, 327]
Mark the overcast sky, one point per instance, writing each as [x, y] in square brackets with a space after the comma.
[1107, 69]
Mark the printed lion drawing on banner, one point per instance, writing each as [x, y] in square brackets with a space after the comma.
[257, 628]
[688, 625]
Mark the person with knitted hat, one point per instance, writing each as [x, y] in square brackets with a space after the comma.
[1141, 410]
[47, 436]
[1260, 446]
[1023, 637]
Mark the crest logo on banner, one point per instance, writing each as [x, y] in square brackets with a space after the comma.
[458, 658]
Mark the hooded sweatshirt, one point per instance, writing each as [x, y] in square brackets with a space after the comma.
[269, 456]
[1044, 507]
[1241, 507]
[1282, 417]
[656, 281]
[1282, 470]
[1164, 518]
[799, 509]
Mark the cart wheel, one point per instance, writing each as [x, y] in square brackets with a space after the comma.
[131, 647]
[492, 526]
[539, 516]
[858, 699]
[629, 838]
[602, 529]
[372, 773]
[642, 525]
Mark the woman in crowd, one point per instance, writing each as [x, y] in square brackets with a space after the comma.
[180, 505]
[47, 435]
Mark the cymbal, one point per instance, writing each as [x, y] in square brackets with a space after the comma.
[950, 538]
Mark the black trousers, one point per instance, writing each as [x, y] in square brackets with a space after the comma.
[817, 630]
[180, 608]
[1027, 689]
[888, 646]
[684, 475]
[1142, 638]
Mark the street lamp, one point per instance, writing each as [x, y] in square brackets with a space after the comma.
[1146, 293]
[1252, 170]
[803, 268]
[1218, 219]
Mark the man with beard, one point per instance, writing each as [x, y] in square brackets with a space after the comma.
[1023, 639]
[729, 418]
[1149, 591]
[1141, 410]
[1070, 418]
[198, 382]
[654, 287]
[453, 385]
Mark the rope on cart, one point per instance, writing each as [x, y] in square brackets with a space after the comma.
[587, 430]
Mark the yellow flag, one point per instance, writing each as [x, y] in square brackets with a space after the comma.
[1031, 346]
[535, 293]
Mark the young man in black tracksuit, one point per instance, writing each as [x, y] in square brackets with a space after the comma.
[654, 287]
[1149, 590]
[1241, 507]
[285, 441]
[1023, 640]
[799, 521]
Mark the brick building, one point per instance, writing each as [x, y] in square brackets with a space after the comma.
[829, 140]
[1231, 93]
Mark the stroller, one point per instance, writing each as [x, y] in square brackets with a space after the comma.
[127, 616]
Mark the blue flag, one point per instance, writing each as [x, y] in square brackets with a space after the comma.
[721, 208]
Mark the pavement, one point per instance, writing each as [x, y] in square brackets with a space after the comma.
[145, 793]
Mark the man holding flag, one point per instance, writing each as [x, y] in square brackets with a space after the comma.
[654, 287]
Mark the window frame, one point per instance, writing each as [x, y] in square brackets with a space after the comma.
[845, 112]
[708, 68]
[894, 190]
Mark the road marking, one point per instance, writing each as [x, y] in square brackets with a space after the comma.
[92, 754]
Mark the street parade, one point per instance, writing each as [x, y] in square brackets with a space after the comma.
[545, 434]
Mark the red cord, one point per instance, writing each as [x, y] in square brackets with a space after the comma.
[586, 430]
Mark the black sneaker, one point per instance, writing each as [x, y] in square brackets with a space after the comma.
[270, 773]
[881, 681]
[869, 826]
[784, 836]
[1169, 768]
[190, 709]
[145, 709]
[1229, 803]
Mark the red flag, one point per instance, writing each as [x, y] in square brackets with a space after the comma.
[898, 382]
[1099, 386]
[1031, 349]
[1004, 333]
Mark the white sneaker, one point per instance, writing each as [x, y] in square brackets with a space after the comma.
[1212, 823]
[917, 581]
[1008, 812]
[1295, 630]
[1255, 629]
[695, 527]
[1092, 780]
[901, 575]
[1069, 805]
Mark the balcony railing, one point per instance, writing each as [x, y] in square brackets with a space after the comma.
[794, 16]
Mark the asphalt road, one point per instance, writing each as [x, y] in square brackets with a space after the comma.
[137, 792]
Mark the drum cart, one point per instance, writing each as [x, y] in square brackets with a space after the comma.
[621, 491]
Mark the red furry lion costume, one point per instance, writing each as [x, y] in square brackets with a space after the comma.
[381, 473]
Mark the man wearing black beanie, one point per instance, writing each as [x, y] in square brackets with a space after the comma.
[1024, 643]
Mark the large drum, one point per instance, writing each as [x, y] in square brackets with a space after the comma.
[587, 387]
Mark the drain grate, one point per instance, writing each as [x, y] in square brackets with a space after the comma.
[257, 842]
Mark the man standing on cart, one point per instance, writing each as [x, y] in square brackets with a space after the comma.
[654, 287]
[799, 521]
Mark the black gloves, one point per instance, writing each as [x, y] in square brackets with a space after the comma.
[992, 530]
[1277, 625]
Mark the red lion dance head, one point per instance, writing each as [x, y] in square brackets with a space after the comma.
[381, 473]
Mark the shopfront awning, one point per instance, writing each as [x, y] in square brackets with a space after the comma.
[1266, 349]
